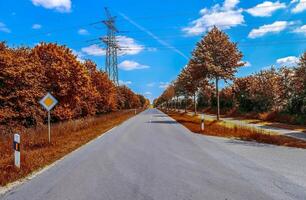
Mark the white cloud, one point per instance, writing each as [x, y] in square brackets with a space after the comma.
[224, 17]
[125, 82]
[59, 5]
[246, 63]
[276, 27]
[163, 85]
[36, 26]
[93, 50]
[3, 28]
[299, 7]
[127, 46]
[288, 61]
[266, 8]
[230, 4]
[150, 84]
[148, 93]
[83, 32]
[301, 29]
[79, 55]
[129, 65]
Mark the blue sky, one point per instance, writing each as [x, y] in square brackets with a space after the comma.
[160, 35]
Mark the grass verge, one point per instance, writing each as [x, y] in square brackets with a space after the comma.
[36, 152]
[273, 119]
[221, 129]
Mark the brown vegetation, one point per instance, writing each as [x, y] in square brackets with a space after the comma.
[217, 128]
[83, 90]
[36, 152]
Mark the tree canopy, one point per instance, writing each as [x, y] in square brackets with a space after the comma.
[27, 74]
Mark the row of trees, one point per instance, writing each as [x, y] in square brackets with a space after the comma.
[215, 58]
[280, 90]
[27, 74]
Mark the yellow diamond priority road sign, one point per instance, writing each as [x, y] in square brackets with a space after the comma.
[48, 102]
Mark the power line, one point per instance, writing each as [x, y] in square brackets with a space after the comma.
[55, 30]
[187, 46]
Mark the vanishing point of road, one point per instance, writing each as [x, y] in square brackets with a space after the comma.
[150, 156]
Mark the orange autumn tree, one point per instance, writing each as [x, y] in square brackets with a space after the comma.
[105, 88]
[127, 98]
[20, 88]
[189, 84]
[27, 74]
[144, 103]
[220, 57]
[297, 102]
[67, 79]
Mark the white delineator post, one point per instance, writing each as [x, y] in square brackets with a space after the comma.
[202, 122]
[17, 150]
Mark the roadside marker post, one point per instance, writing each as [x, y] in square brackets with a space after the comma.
[202, 122]
[48, 102]
[17, 149]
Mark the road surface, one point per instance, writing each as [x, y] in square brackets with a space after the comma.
[150, 156]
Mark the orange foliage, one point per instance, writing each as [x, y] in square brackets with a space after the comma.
[26, 75]
[127, 99]
[106, 91]
[67, 79]
[20, 88]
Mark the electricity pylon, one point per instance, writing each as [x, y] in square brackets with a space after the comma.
[111, 64]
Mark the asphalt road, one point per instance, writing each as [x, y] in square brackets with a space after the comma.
[152, 157]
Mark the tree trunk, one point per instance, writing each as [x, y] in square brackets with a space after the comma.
[218, 99]
[177, 104]
[195, 103]
[186, 104]
[180, 103]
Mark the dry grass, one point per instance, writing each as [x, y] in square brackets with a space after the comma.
[273, 119]
[219, 128]
[36, 152]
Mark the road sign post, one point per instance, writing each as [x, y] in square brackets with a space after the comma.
[49, 126]
[48, 102]
[17, 149]
[202, 122]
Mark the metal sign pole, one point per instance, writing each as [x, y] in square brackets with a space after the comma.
[48, 102]
[49, 126]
